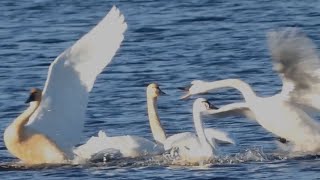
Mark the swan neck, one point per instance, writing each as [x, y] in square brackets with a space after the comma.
[23, 118]
[199, 128]
[246, 91]
[156, 128]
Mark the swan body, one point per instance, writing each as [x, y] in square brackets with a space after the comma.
[285, 114]
[193, 148]
[27, 144]
[128, 146]
[59, 118]
[214, 136]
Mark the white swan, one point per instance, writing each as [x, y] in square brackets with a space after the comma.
[47, 130]
[159, 135]
[285, 114]
[194, 148]
[129, 146]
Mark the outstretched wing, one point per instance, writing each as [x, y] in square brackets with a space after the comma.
[233, 109]
[176, 139]
[218, 136]
[70, 79]
[295, 58]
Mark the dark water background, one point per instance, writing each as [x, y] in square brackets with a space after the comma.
[169, 42]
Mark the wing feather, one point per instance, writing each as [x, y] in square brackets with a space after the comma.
[296, 60]
[217, 136]
[232, 110]
[71, 76]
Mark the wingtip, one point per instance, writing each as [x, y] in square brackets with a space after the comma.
[123, 21]
[185, 96]
[125, 26]
[117, 13]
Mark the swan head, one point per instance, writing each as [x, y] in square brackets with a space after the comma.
[153, 90]
[35, 95]
[196, 87]
[202, 105]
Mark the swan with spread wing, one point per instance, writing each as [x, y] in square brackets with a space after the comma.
[52, 125]
[286, 114]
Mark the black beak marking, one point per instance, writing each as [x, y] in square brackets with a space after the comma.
[31, 98]
[211, 106]
[185, 88]
[161, 92]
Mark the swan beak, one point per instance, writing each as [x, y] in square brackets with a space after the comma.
[186, 89]
[185, 96]
[161, 92]
[211, 106]
[31, 98]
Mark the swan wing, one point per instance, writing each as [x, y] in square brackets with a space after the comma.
[71, 76]
[232, 110]
[217, 136]
[177, 138]
[296, 60]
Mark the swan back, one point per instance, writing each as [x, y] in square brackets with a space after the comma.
[128, 146]
[70, 79]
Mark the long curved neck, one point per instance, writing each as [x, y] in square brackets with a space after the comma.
[241, 86]
[156, 128]
[19, 123]
[199, 129]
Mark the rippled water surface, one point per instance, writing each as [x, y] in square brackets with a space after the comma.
[169, 42]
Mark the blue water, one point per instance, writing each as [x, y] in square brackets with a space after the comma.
[169, 42]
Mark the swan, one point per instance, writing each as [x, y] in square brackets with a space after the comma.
[127, 145]
[194, 148]
[135, 146]
[52, 125]
[159, 134]
[286, 114]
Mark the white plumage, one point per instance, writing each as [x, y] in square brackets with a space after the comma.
[285, 114]
[195, 147]
[128, 146]
[71, 76]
